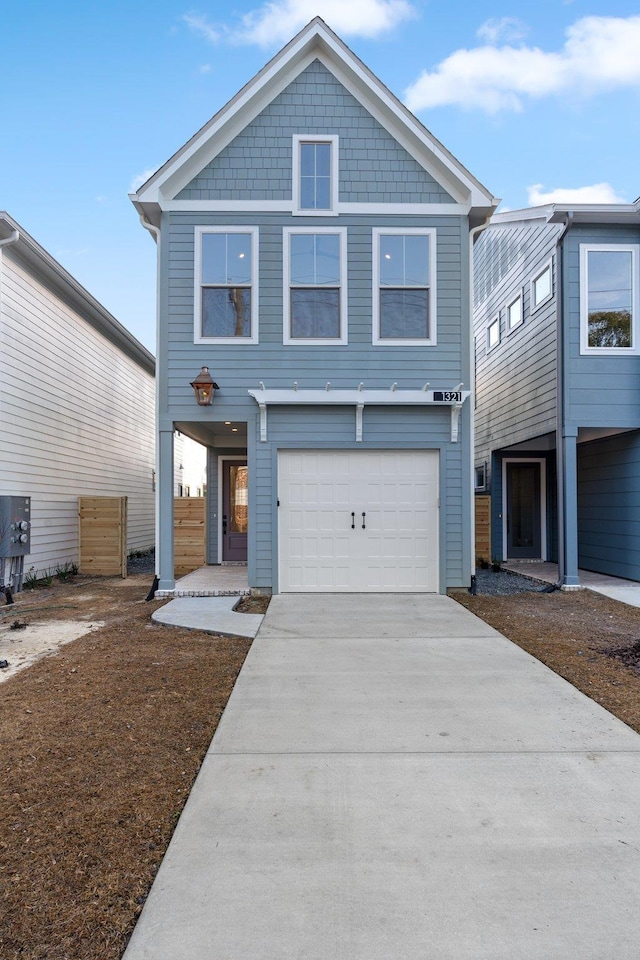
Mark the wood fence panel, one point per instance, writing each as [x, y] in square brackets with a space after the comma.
[102, 535]
[483, 526]
[189, 534]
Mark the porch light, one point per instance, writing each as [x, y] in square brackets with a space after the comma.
[204, 388]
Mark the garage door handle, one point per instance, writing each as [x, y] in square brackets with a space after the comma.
[363, 526]
[353, 520]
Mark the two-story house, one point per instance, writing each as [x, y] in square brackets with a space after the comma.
[314, 256]
[557, 340]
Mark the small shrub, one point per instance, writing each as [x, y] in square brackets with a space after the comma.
[496, 566]
[64, 572]
[30, 581]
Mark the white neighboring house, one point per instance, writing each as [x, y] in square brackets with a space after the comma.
[77, 403]
[189, 467]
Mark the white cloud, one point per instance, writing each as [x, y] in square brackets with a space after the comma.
[277, 21]
[600, 53]
[205, 68]
[141, 178]
[202, 26]
[596, 193]
[508, 29]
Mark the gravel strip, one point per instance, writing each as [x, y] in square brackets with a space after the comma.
[504, 583]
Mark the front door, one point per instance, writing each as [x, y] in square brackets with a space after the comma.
[524, 513]
[235, 502]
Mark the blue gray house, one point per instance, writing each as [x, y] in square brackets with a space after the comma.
[314, 264]
[557, 342]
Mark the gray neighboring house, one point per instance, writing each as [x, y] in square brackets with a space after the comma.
[314, 246]
[557, 339]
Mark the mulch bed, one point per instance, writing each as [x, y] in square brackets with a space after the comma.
[100, 746]
[588, 639]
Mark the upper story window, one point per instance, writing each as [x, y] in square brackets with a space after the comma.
[493, 334]
[541, 289]
[315, 175]
[608, 298]
[226, 287]
[404, 287]
[515, 315]
[315, 291]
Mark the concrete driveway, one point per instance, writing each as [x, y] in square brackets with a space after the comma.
[393, 779]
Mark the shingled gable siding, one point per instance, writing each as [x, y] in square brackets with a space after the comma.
[516, 381]
[374, 168]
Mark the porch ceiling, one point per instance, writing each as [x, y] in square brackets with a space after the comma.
[212, 434]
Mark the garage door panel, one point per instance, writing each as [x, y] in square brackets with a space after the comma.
[321, 547]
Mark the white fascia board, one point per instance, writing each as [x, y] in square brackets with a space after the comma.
[315, 41]
[580, 212]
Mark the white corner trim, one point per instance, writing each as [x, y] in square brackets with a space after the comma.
[454, 399]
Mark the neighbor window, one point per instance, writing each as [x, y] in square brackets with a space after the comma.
[480, 477]
[514, 313]
[608, 298]
[404, 287]
[541, 287]
[493, 334]
[315, 174]
[226, 284]
[315, 304]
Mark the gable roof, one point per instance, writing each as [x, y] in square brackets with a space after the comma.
[575, 212]
[52, 275]
[315, 41]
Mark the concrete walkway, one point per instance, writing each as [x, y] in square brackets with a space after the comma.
[393, 780]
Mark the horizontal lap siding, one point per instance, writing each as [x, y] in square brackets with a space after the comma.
[601, 391]
[237, 367]
[87, 430]
[609, 506]
[516, 381]
[383, 428]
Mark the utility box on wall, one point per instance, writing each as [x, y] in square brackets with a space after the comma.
[15, 526]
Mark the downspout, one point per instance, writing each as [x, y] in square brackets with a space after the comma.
[155, 233]
[473, 234]
[560, 380]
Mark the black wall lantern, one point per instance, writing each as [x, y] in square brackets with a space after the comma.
[204, 388]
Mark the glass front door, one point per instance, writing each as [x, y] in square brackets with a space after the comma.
[235, 511]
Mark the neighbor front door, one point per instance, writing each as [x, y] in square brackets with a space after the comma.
[524, 514]
[235, 518]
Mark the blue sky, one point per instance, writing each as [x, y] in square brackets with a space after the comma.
[535, 100]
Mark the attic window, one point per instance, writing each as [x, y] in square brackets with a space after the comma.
[315, 175]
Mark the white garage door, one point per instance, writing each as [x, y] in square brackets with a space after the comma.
[357, 521]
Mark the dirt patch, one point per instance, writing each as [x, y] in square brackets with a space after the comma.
[256, 605]
[587, 638]
[101, 743]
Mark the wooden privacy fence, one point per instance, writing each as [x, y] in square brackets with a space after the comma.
[102, 535]
[189, 535]
[483, 526]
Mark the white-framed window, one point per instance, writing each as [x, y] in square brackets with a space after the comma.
[493, 333]
[480, 477]
[404, 287]
[315, 175]
[315, 285]
[226, 285]
[609, 298]
[515, 315]
[541, 287]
